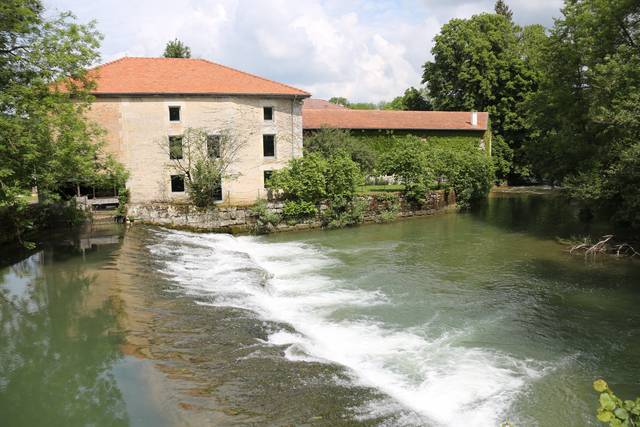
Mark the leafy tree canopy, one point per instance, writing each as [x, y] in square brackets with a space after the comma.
[412, 100]
[176, 49]
[503, 9]
[44, 139]
[586, 112]
[339, 100]
[486, 63]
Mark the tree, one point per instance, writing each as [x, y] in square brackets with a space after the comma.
[408, 162]
[503, 9]
[586, 111]
[412, 100]
[480, 64]
[339, 100]
[176, 49]
[45, 141]
[204, 159]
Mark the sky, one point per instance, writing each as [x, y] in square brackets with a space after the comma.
[364, 50]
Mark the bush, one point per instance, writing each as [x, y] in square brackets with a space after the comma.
[298, 210]
[388, 206]
[350, 214]
[204, 180]
[456, 163]
[302, 179]
[468, 172]
[410, 164]
[312, 180]
[329, 141]
[266, 221]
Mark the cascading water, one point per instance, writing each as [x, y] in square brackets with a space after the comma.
[422, 368]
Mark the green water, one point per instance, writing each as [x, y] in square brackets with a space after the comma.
[456, 319]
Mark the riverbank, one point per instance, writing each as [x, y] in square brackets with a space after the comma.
[378, 207]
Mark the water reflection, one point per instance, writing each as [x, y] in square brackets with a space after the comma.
[59, 338]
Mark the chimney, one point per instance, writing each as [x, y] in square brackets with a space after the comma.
[474, 118]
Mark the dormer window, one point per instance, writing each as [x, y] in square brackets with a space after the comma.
[268, 113]
[174, 114]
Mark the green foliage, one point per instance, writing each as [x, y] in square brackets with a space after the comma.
[502, 156]
[487, 63]
[350, 214]
[339, 100]
[613, 410]
[468, 171]
[204, 167]
[503, 9]
[342, 180]
[388, 206]
[204, 179]
[176, 49]
[409, 163]
[45, 140]
[303, 179]
[456, 164]
[266, 221]
[412, 100]
[329, 141]
[298, 209]
[586, 110]
[123, 199]
[312, 180]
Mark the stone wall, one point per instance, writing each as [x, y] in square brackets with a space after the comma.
[238, 219]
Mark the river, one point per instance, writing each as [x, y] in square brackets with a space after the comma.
[451, 320]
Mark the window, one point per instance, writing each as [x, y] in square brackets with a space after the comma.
[268, 113]
[269, 145]
[177, 183]
[267, 178]
[174, 114]
[217, 193]
[175, 147]
[213, 146]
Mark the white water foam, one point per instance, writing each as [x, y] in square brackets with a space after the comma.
[283, 282]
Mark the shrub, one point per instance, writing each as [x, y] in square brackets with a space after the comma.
[311, 180]
[342, 180]
[350, 214]
[298, 209]
[409, 163]
[468, 171]
[388, 206]
[266, 221]
[302, 179]
[202, 182]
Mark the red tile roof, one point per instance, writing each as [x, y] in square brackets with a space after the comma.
[182, 76]
[321, 104]
[387, 119]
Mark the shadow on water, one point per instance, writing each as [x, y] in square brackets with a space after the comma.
[544, 214]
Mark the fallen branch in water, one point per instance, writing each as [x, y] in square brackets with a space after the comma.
[607, 246]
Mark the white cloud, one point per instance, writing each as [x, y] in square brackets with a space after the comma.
[366, 51]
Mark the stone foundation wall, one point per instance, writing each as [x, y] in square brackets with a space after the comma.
[237, 219]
